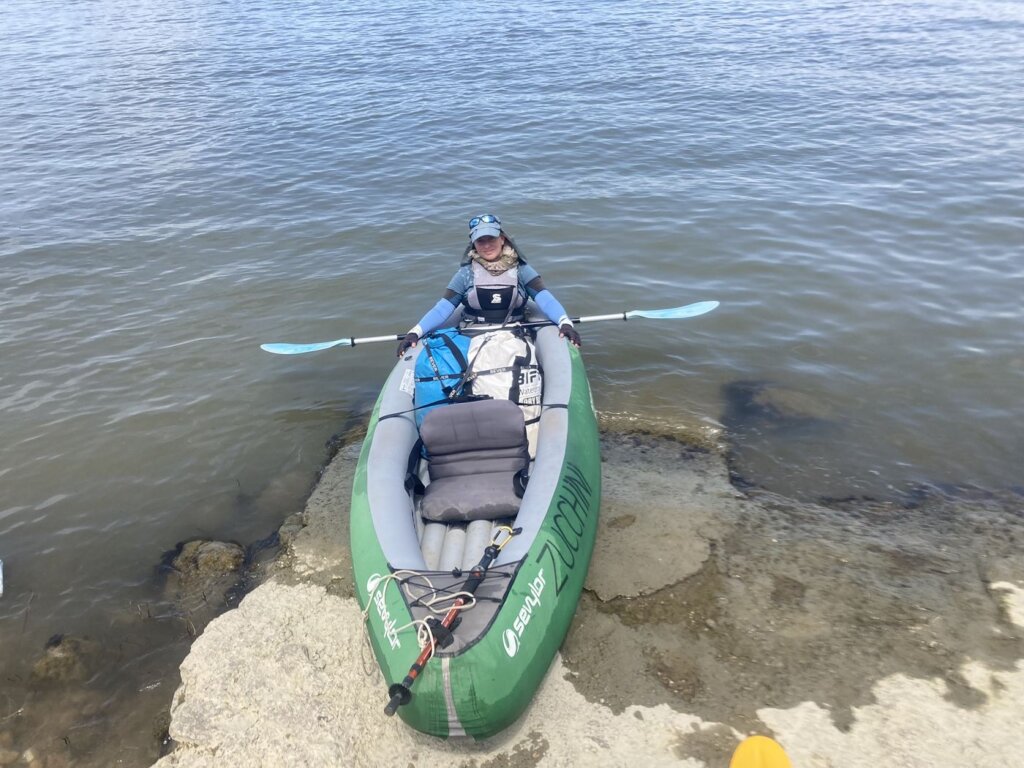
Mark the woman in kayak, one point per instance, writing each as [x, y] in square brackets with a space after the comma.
[492, 284]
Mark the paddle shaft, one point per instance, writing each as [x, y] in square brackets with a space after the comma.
[400, 694]
[351, 341]
[691, 310]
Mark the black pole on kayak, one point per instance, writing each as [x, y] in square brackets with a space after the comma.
[441, 631]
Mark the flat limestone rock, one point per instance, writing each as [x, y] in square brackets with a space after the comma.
[319, 552]
[661, 504]
[280, 681]
[708, 616]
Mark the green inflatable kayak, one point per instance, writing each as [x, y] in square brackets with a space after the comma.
[468, 569]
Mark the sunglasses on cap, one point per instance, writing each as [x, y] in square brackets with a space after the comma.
[487, 218]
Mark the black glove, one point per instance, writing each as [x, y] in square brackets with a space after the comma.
[409, 341]
[568, 332]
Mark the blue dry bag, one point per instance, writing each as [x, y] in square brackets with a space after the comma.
[439, 370]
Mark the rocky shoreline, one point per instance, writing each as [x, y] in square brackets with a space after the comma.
[861, 634]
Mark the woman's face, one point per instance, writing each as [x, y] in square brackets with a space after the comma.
[489, 247]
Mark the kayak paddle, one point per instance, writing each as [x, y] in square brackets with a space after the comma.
[759, 752]
[676, 313]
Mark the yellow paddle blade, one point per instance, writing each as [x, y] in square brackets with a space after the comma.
[759, 752]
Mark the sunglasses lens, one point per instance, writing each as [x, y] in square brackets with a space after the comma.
[486, 219]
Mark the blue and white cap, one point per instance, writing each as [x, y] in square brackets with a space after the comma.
[487, 225]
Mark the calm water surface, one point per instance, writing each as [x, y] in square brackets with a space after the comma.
[181, 181]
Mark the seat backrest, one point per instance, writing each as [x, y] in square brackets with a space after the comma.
[475, 450]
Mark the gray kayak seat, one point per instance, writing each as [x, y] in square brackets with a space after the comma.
[477, 460]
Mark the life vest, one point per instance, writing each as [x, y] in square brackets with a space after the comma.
[495, 298]
[503, 365]
[440, 370]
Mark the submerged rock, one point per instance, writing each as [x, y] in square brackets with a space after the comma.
[208, 559]
[194, 564]
[200, 574]
[766, 404]
[66, 659]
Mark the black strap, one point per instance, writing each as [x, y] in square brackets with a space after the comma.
[519, 481]
[466, 399]
[458, 399]
[437, 371]
[421, 379]
[450, 392]
[412, 479]
[455, 391]
[469, 375]
[443, 635]
[504, 369]
[454, 349]
[512, 308]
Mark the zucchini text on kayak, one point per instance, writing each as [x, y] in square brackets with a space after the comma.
[574, 505]
[573, 509]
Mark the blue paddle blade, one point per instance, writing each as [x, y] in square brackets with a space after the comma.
[300, 349]
[690, 310]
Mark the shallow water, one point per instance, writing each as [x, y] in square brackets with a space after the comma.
[183, 182]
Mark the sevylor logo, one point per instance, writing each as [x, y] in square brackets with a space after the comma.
[514, 635]
[390, 624]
